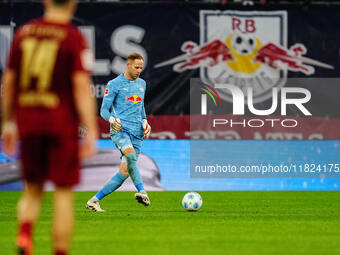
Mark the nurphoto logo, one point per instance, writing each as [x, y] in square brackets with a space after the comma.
[288, 96]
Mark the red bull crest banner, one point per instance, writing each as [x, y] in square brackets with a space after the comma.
[244, 35]
[246, 49]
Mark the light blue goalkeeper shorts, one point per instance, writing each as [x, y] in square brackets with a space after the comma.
[123, 140]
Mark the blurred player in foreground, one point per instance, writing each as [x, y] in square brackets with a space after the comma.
[123, 108]
[46, 93]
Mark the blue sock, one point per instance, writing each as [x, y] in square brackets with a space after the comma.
[131, 161]
[111, 185]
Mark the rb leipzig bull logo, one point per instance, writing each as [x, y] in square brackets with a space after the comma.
[134, 99]
[246, 49]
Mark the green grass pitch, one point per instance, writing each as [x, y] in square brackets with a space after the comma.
[233, 223]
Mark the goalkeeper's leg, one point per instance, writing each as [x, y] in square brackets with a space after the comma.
[117, 180]
[113, 183]
[129, 147]
[131, 160]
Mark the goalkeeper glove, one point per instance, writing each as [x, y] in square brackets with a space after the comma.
[115, 124]
[147, 129]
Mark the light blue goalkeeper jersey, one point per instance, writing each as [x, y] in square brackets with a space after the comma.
[124, 99]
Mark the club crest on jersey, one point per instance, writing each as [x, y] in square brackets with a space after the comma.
[135, 99]
[246, 49]
[106, 92]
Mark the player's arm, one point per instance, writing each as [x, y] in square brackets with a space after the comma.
[9, 128]
[143, 111]
[108, 99]
[7, 105]
[84, 102]
[86, 109]
[146, 126]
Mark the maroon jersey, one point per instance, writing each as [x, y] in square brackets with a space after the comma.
[44, 56]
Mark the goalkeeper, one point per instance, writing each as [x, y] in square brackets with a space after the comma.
[123, 108]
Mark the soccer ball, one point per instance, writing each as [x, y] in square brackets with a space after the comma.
[192, 201]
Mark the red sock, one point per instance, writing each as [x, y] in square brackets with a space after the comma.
[24, 239]
[60, 253]
[25, 228]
